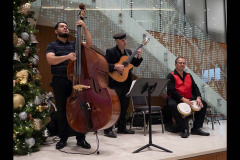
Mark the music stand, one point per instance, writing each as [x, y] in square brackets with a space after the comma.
[148, 87]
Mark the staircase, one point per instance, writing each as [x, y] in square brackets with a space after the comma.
[171, 35]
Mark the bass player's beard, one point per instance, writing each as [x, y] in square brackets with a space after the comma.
[63, 35]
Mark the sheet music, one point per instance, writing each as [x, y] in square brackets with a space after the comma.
[133, 82]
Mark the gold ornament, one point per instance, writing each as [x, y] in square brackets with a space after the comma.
[38, 76]
[23, 76]
[15, 39]
[40, 108]
[20, 42]
[18, 101]
[37, 124]
[25, 8]
[14, 134]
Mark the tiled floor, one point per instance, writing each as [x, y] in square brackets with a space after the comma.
[122, 147]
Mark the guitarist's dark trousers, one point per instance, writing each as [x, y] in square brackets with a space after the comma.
[124, 101]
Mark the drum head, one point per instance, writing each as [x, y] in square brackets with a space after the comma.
[195, 107]
[184, 109]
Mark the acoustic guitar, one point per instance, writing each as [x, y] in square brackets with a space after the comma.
[126, 61]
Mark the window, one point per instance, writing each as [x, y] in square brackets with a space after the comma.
[211, 73]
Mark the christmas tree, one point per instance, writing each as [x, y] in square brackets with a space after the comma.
[31, 105]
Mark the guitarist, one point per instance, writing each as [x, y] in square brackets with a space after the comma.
[113, 55]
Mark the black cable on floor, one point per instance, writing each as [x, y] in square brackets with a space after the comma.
[84, 153]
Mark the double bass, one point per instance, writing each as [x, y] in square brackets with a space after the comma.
[92, 105]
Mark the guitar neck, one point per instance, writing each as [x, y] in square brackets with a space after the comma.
[134, 53]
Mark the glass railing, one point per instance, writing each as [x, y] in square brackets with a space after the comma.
[206, 59]
[169, 32]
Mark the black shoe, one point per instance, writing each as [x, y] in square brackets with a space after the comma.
[198, 131]
[61, 144]
[125, 131]
[84, 144]
[185, 133]
[110, 134]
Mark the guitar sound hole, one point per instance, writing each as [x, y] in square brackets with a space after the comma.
[125, 64]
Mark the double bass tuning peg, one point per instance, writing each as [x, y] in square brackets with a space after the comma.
[81, 6]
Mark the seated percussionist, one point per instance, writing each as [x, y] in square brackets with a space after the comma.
[182, 88]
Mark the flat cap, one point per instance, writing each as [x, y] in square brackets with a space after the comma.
[119, 36]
